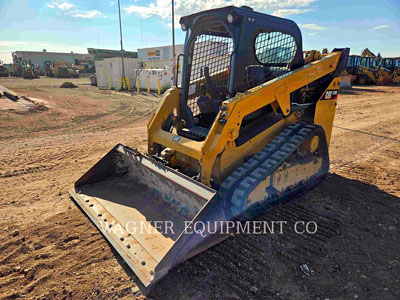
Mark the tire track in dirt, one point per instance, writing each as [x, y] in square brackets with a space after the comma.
[364, 154]
[267, 266]
[242, 258]
[50, 249]
[25, 171]
[126, 109]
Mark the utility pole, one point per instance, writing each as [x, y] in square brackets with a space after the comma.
[141, 28]
[173, 43]
[122, 46]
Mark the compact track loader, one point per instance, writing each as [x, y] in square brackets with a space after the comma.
[248, 129]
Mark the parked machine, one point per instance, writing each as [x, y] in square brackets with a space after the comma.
[3, 71]
[365, 70]
[368, 53]
[40, 71]
[84, 67]
[23, 68]
[17, 70]
[392, 65]
[312, 55]
[48, 68]
[61, 70]
[17, 66]
[28, 70]
[247, 129]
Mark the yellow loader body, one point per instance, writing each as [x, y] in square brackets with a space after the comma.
[248, 129]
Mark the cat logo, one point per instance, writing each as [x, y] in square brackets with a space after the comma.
[330, 94]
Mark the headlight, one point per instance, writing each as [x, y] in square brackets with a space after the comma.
[183, 27]
[230, 18]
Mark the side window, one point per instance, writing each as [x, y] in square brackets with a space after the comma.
[211, 50]
[275, 49]
[350, 62]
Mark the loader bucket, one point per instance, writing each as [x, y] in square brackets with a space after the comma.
[143, 208]
[345, 82]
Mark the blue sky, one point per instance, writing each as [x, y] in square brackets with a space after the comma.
[74, 25]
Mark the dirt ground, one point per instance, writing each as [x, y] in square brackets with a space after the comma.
[50, 250]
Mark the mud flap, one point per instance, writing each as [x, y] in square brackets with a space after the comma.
[144, 208]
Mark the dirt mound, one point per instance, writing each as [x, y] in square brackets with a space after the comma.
[68, 85]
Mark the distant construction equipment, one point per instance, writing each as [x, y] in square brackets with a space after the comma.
[60, 70]
[24, 69]
[3, 70]
[368, 68]
[392, 65]
[29, 71]
[368, 53]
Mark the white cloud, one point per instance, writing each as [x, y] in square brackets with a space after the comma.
[69, 9]
[381, 27]
[146, 12]
[162, 8]
[312, 34]
[311, 26]
[89, 14]
[290, 11]
[64, 6]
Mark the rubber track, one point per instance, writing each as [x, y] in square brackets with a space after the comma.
[243, 180]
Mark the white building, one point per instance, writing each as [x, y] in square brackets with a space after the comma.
[159, 53]
[109, 74]
[153, 66]
[109, 71]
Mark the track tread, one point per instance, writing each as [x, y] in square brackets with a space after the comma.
[242, 181]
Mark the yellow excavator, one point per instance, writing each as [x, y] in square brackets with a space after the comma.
[247, 128]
